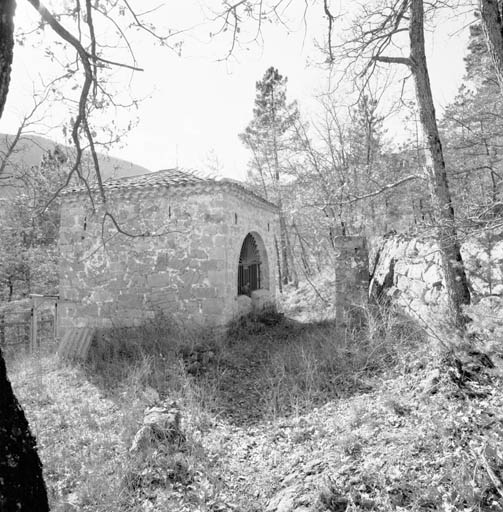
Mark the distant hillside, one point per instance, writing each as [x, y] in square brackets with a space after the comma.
[29, 151]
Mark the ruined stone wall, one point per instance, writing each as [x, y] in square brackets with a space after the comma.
[409, 270]
[185, 262]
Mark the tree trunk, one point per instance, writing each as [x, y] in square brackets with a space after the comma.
[303, 252]
[285, 269]
[492, 24]
[278, 262]
[7, 9]
[21, 483]
[294, 278]
[454, 273]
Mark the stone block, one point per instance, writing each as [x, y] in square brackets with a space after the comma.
[260, 299]
[189, 277]
[212, 306]
[244, 304]
[158, 280]
[209, 265]
[415, 271]
[179, 263]
[401, 267]
[411, 249]
[162, 262]
[431, 296]
[205, 292]
[432, 274]
[198, 254]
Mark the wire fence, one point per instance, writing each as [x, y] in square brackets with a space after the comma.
[28, 324]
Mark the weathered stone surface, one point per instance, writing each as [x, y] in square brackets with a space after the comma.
[244, 304]
[284, 501]
[417, 283]
[261, 299]
[186, 265]
[159, 424]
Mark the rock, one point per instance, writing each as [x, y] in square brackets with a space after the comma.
[261, 299]
[151, 395]
[244, 305]
[429, 385]
[160, 424]
[142, 440]
[284, 501]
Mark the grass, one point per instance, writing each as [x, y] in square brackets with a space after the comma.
[272, 409]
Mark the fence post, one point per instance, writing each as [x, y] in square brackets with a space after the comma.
[56, 321]
[34, 325]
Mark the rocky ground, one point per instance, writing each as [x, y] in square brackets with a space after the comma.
[424, 434]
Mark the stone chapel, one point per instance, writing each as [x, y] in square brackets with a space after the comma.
[200, 249]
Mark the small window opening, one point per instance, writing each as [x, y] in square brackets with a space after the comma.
[235, 218]
[169, 212]
[268, 227]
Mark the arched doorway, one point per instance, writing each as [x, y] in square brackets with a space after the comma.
[253, 271]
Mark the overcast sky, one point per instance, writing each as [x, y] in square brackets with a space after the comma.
[199, 102]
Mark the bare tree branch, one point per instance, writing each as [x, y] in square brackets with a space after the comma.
[393, 60]
[383, 189]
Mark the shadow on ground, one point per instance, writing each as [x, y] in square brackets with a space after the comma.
[276, 368]
[263, 367]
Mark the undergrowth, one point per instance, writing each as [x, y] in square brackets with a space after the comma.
[253, 398]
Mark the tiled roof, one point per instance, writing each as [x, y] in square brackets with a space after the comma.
[165, 177]
[174, 179]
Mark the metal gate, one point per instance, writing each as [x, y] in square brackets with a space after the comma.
[249, 274]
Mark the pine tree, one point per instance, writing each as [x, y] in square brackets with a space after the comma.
[473, 129]
[269, 136]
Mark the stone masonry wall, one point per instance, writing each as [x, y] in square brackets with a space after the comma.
[409, 271]
[185, 263]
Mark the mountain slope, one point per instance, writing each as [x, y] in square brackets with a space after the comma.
[30, 149]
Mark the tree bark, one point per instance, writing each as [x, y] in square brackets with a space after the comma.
[21, 483]
[7, 9]
[22, 486]
[492, 24]
[285, 269]
[278, 262]
[454, 273]
[294, 278]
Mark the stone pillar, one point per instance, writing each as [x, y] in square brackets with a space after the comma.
[351, 276]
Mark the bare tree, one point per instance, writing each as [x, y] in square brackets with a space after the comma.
[7, 10]
[376, 34]
[269, 137]
[95, 32]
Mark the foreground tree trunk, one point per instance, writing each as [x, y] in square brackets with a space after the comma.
[492, 24]
[21, 483]
[7, 9]
[452, 262]
[22, 486]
